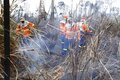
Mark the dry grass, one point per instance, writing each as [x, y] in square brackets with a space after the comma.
[13, 46]
[90, 63]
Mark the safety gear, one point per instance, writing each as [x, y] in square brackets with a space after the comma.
[85, 28]
[77, 32]
[22, 19]
[25, 29]
[82, 41]
[62, 33]
[65, 16]
[62, 22]
[69, 31]
[65, 43]
[62, 28]
[83, 19]
[64, 52]
[62, 38]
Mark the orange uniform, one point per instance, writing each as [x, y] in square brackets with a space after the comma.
[65, 16]
[25, 30]
[77, 32]
[85, 28]
[62, 29]
[69, 32]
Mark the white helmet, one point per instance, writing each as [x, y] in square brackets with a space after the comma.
[62, 22]
[22, 19]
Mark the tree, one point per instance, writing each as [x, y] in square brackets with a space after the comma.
[61, 5]
[52, 11]
[14, 5]
[41, 11]
[114, 10]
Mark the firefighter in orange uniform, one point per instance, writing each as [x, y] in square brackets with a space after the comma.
[25, 29]
[69, 37]
[62, 32]
[77, 32]
[84, 30]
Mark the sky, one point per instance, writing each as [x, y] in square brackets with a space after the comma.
[34, 4]
[30, 6]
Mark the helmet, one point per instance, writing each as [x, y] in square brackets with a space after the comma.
[62, 22]
[65, 16]
[83, 19]
[22, 19]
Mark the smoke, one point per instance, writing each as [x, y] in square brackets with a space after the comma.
[34, 50]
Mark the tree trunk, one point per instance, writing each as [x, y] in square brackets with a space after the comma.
[52, 11]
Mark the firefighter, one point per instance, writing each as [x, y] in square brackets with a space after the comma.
[74, 34]
[69, 37]
[24, 29]
[77, 32]
[62, 32]
[84, 29]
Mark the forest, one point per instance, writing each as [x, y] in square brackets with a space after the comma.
[41, 58]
